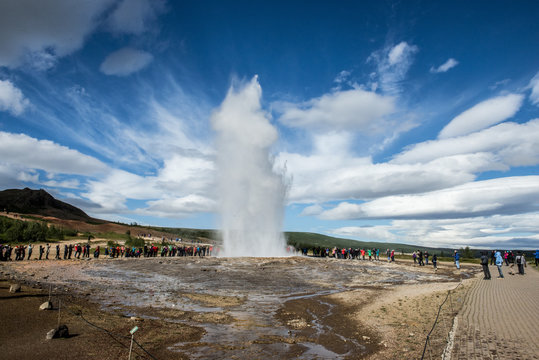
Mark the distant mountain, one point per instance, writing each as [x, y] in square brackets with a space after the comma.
[39, 202]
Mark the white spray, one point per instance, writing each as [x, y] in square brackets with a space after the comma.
[251, 194]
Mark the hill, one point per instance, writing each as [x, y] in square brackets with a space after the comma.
[39, 202]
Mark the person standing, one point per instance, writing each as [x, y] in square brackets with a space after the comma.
[41, 251]
[426, 257]
[484, 264]
[457, 259]
[499, 263]
[492, 257]
[57, 252]
[29, 251]
[48, 249]
[520, 260]
[536, 257]
[435, 261]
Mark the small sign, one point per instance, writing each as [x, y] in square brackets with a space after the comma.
[133, 330]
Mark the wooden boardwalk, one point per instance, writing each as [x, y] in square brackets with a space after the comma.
[500, 318]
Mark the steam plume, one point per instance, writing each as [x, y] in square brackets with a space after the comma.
[252, 194]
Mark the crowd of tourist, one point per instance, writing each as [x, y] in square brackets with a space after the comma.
[78, 251]
[349, 253]
[421, 258]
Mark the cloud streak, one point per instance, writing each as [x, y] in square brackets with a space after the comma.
[510, 195]
[125, 62]
[482, 115]
[445, 67]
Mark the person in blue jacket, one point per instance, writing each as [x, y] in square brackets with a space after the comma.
[457, 259]
[536, 257]
[499, 262]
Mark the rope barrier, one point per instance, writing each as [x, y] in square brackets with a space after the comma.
[436, 320]
[111, 334]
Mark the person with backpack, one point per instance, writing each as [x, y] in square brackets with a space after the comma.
[536, 257]
[520, 260]
[484, 264]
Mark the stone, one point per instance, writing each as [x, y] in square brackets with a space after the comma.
[15, 288]
[135, 318]
[47, 305]
[60, 332]
[50, 334]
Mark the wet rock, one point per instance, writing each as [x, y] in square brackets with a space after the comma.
[47, 305]
[60, 332]
[15, 288]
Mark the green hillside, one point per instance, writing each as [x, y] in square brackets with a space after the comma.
[309, 240]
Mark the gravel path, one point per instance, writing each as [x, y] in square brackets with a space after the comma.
[500, 318]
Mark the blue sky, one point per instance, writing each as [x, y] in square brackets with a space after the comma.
[410, 121]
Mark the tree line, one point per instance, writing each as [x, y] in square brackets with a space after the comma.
[18, 231]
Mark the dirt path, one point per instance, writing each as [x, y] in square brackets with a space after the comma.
[499, 318]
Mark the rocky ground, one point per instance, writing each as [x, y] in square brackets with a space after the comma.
[251, 308]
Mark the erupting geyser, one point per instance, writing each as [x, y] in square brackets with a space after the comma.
[251, 194]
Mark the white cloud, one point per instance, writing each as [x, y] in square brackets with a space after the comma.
[510, 195]
[349, 110]
[183, 185]
[31, 153]
[495, 232]
[135, 16]
[11, 98]
[534, 85]
[449, 64]
[179, 207]
[38, 31]
[312, 210]
[509, 143]
[482, 115]
[367, 233]
[125, 61]
[393, 64]
[330, 174]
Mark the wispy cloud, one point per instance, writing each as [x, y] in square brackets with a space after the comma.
[449, 64]
[393, 64]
